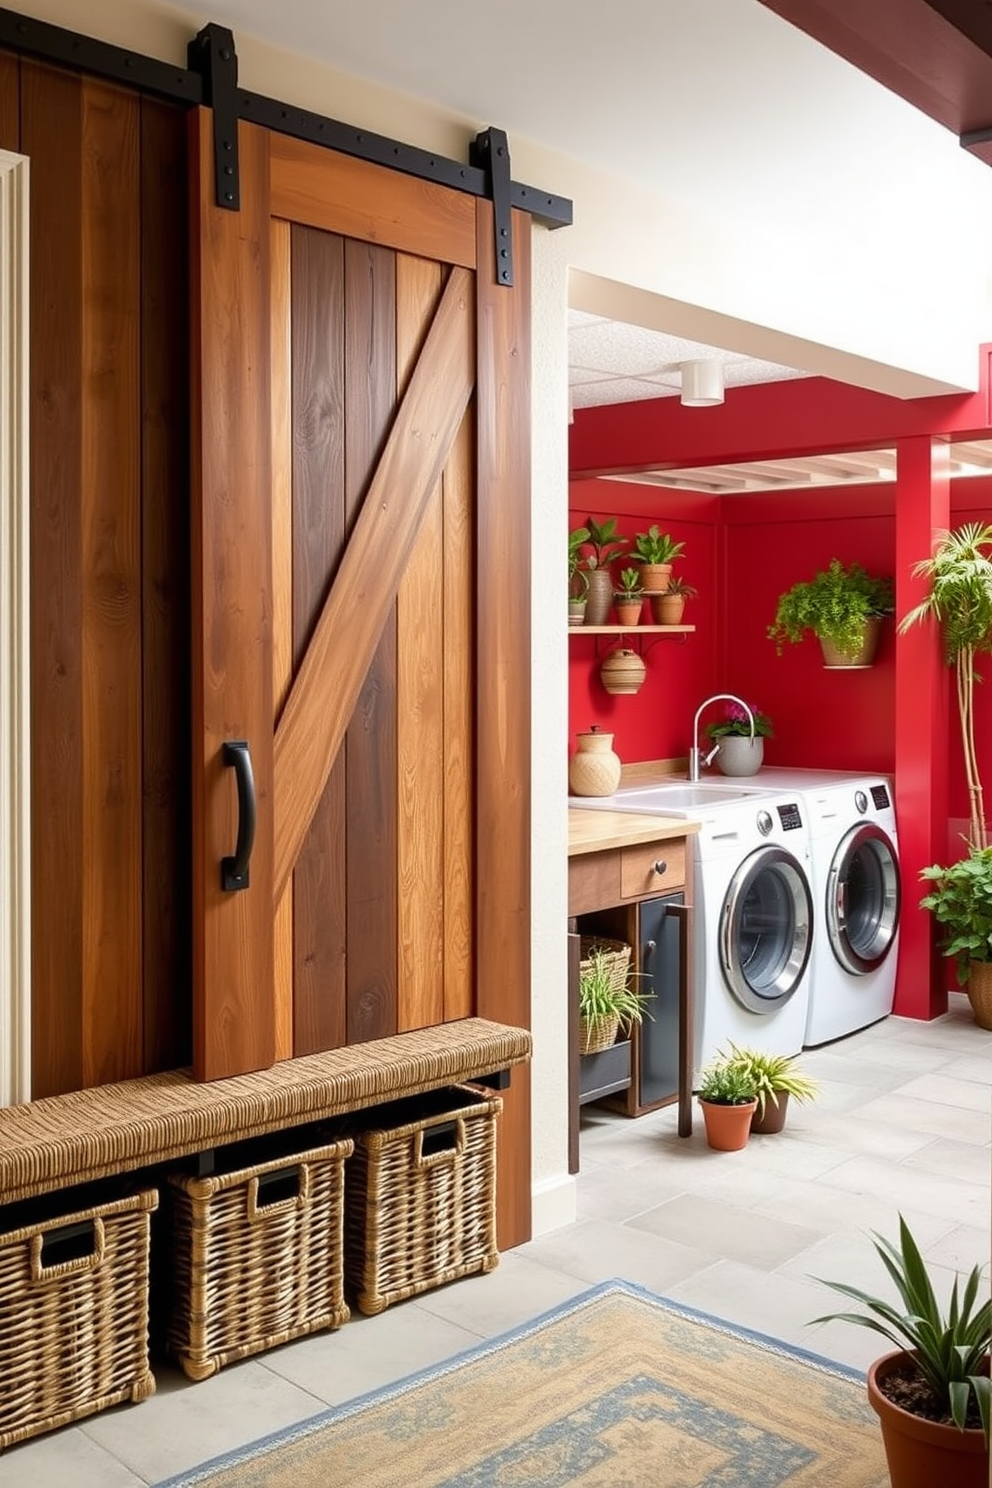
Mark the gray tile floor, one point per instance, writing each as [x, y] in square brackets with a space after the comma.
[901, 1123]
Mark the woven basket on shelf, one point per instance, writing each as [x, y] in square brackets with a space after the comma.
[420, 1196]
[258, 1257]
[615, 953]
[74, 1316]
[597, 1034]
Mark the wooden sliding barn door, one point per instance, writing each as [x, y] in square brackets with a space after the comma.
[361, 469]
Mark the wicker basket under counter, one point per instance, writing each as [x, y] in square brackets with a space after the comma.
[74, 1316]
[258, 1257]
[420, 1196]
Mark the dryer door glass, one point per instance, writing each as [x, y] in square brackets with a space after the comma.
[862, 903]
[766, 929]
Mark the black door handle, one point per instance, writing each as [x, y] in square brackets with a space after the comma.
[234, 871]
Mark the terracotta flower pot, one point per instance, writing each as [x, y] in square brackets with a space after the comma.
[773, 1119]
[667, 609]
[727, 1127]
[655, 577]
[628, 610]
[921, 1453]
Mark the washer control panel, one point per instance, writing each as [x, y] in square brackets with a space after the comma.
[880, 797]
[790, 818]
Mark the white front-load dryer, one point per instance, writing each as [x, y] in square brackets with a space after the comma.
[752, 911]
[857, 897]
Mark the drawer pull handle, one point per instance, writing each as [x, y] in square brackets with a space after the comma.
[660, 866]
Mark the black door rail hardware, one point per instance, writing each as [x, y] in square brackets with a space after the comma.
[213, 76]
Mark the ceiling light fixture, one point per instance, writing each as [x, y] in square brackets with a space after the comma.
[702, 384]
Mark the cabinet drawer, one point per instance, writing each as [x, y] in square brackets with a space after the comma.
[652, 868]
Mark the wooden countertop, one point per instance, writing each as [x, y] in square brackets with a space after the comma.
[594, 831]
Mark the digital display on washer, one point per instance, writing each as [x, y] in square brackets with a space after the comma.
[880, 797]
[790, 818]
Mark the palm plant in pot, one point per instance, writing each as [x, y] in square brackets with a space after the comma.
[932, 1394]
[776, 1077]
[740, 753]
[842, 607]
[655, 551]
[606, 545]
[628, 596]
[960, 899]
[728, 1099]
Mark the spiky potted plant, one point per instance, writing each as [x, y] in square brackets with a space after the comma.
[776, 1077]
[932, 1394]
[628, 596]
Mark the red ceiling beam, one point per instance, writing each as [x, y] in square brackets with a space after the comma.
[937, 54]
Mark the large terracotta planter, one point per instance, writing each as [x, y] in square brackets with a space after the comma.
[979, 991]
[924, 1454]
[727, 1127]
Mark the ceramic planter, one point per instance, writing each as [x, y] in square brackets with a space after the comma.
[727, 1127]
[773, 1119]
[599, 596]
[862, 657]
[594, 769]
[655, 577]
[740, 755]
[979, 991]
[920, 1453]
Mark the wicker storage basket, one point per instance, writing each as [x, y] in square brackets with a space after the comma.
[257, 1257]
[420, 1197]
[597, 1034]
[74, 1316]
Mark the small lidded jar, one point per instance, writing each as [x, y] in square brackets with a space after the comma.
[594, 769]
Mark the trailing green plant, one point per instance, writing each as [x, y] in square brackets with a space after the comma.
[951, 1353]
[628, 585]
[577, 581]
[604, 540]
[960, 899]
[655, 547]
[773, 1075]
[736, 723]
[960, 600]
[726, 1083]
[834, 605]
[601, 997]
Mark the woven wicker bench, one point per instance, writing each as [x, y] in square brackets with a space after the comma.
[66, 1139]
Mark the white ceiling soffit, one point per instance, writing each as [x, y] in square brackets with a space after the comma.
[856, 467]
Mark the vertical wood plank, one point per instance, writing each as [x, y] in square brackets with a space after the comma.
[503, 685]
[113, 1043]
[420, 696]
[10, 102]
[282, 583]
[51, 134]
[233, 1004]
[459, 632]
[166, 828]
[370, 743]
[319, 898]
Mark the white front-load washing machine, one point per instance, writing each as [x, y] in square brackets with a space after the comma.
[857, 896]
[752, 910]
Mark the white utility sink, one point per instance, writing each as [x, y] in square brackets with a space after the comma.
[678, 797]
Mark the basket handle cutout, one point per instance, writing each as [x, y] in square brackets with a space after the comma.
[440, 1143]
[274, 1193]
[72, 1248]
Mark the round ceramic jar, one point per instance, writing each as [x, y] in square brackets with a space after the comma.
[594, 769]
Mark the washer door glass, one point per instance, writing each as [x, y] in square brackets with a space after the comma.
[863, 899]
[766, 929]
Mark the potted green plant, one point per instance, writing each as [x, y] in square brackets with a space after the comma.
[932, 1394]
[776, 1078]
[960, 898]
[655, 551]
[578, 583]
[608, 1003]
[606, 544]
[628, 596]
[740, 753]
[843, 607]
[960, 600]
[668, 608]
[728, 1098]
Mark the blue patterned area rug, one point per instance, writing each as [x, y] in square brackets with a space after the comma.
[615, 1389]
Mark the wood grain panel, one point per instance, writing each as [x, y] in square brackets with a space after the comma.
[233, 1011]
[503, 688]
[370, 743]
[281, 354]
[318, 377]
[310, 731]
[359, 200]
[10, 102]
[459, 715]
[420, 712]
[51, 108]
[166, 827]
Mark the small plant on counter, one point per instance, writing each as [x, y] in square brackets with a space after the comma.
[835, 605]
[654, 547]
[735, 722]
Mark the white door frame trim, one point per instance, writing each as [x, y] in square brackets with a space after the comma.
[15, 699]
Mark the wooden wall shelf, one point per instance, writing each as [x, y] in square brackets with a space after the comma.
[591, 630]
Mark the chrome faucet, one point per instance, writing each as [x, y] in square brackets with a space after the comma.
[696, 757]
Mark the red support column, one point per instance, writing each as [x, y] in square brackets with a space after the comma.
[922, 690]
